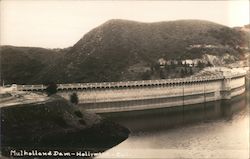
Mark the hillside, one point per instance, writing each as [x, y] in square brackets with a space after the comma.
[128, 50]
[108, 52]
[21, 64]
[55, 124]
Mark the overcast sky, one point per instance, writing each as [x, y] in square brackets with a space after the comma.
[61, 23]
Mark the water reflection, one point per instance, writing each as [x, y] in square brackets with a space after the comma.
[217, 129]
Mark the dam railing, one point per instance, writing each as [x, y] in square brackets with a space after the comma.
[124, 84]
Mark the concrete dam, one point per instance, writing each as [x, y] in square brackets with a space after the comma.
[151, 94]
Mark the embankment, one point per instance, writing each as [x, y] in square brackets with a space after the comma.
[56, 125]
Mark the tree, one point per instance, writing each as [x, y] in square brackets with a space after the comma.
[185, 71]
[74, 98]
[51, 89]
[161, 73]
[179, 62]
[185, 64]
[172, 65]
[155, 67]
[200, 65]
[191, 72]
[182, 73]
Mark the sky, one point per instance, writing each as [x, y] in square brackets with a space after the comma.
[61, 23]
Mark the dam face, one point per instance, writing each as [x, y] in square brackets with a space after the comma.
[140, 95]
[177, 93]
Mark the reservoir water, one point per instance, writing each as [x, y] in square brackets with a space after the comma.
[211, 130]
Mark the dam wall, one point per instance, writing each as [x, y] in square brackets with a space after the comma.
[139, 95]
[102, 100]
[143, 93]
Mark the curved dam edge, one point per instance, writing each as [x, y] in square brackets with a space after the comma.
[156, 103]
[152, 94]
[154, 97]
[55, 124]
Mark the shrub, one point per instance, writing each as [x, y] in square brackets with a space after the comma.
[78, 114]
[74, 98]
[51, 89]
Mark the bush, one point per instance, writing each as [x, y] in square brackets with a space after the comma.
[78, 114]
[74, 98]
[51, 89]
